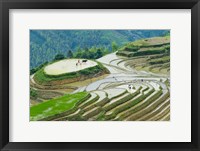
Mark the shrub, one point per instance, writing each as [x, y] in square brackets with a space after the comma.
[59, 57]
[132, 48]
[33, 93]
[34, 70]
[160, 60]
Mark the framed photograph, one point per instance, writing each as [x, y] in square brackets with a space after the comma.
[82, 75]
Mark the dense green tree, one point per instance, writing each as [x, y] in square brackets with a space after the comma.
[33, 93]
[99, 54]
[91, 55]
[167, 49]
[114, 46]
[69, 54]
[59, 57]
[34, 70]
[85, 55]
[86, 49]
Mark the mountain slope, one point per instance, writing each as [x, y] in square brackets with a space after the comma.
[45, 44]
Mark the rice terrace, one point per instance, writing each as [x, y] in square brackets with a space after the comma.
[99, 75]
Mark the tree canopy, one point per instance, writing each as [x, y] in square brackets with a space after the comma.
[59, 57]
[69, 54]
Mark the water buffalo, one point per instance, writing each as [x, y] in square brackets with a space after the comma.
[84, 61]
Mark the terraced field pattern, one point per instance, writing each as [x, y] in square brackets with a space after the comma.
[129, 84]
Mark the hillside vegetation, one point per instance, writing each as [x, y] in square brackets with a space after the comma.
[43, 78]
[46, 44]
[151, 54]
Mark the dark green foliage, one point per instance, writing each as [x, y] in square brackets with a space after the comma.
[99, 54]
[160, 60]
[123, 53]
[148, 52]
[132, 48]
[140, 53]
[33, 93]
[167, 33]
[114, 46]
[92, 53]
[155, 45]
[69, 54]
[59, 57]
[167, 49]
[34, 70]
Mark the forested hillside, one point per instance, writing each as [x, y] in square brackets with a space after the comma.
[46, 44]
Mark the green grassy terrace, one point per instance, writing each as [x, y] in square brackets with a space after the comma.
[42, 78]
[151, 54]
[56, 106]
[150, 46]
[162, 60]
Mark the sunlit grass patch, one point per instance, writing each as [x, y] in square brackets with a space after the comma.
[56, 106]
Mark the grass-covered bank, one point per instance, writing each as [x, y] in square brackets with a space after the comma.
[151, 46]
[151, 55]
[44, 79]
[56, 106]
